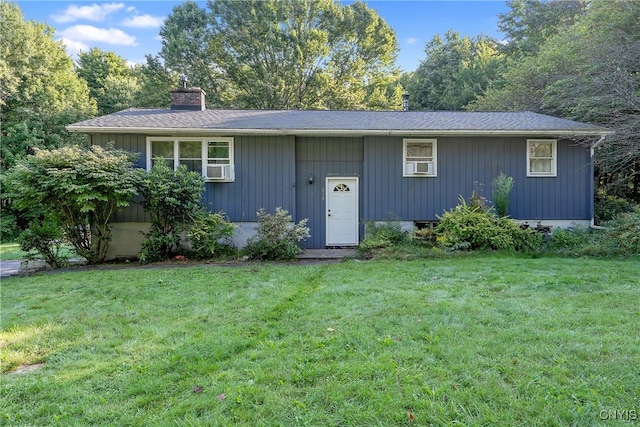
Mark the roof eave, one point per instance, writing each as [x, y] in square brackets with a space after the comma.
[341, 132]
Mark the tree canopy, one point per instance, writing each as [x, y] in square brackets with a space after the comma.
[39, 91]
[285, 54]
[455, 72]
[155, 83]
[529, 23]
[112, 83]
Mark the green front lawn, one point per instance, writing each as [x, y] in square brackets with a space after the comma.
[455, 340]
[11, 251]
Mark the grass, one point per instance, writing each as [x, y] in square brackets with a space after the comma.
[11, 251]
[455, 340]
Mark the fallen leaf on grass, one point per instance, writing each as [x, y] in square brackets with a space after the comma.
[410, 416]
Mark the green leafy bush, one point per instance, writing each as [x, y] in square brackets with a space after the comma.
[607, 207]
[426, 236]
[9, 230]
[158, 246]
[80, 188]
[382, 235]
[617, 237]
[571, 240]
[468, 227]
[501, 187]
[621, 235]
[276, 237]
[173, 200]
[44, 238]
[209, 235]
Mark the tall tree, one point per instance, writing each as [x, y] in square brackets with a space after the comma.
[186, 44]
[39, 91]
[604, 87]
[455, 72]
[112, 83]
[156, 82]
[529, 23]
[285, 54]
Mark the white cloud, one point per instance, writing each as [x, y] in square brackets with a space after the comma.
[74, 47]
[144, 21]
[88, 33]
[412, 40]
[95, 12]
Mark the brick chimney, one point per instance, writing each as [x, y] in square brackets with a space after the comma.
[191, 98]
[187, 98]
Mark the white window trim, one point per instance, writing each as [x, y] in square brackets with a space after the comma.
[204, 154]
[434, 172]
[554, 159]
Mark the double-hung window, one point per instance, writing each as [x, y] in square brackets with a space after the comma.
[419, 157]
[542, 158]
[211, 157]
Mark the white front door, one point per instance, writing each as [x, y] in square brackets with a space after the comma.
[342, 211]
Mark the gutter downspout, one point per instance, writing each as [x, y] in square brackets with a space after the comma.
[593, 178]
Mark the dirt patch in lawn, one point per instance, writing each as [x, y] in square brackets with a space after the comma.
[25, 369]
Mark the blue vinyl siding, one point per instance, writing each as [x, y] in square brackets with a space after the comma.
[264, 178]
[273, 171]
[323, 157]
[465, 164]
[134, 144]
[128, 142]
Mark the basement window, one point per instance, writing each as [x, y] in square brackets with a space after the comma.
[211, 157]
[419, 157]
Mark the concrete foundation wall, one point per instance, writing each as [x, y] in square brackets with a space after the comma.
[127, 238]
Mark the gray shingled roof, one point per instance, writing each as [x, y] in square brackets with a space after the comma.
[296, 122]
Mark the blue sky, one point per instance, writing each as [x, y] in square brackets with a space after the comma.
[130, 28]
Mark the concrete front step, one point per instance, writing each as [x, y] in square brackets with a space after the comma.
[326, 254]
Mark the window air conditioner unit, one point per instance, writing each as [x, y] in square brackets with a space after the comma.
[218, 172]
[424, 168]
[419, 168]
